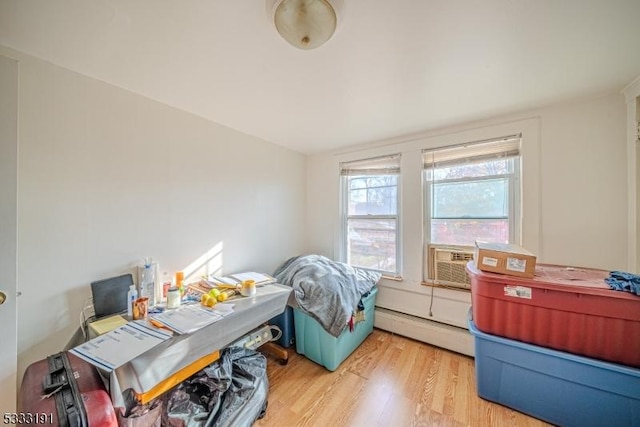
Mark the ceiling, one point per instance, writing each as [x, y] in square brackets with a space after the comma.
[392, 68]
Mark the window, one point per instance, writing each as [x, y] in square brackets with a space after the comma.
[370, 213]
[472, 192]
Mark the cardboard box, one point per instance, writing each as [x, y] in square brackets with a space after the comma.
[505, 258]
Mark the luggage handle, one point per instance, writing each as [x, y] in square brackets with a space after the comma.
[50, 386]
[56, 369]
[69, 404]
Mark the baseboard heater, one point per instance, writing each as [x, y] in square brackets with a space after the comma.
[431, 332]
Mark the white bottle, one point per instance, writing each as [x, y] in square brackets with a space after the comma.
[132, 295]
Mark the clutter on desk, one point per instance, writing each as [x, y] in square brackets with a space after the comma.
[140, 308]
[104, 325]
[119, 346]
[179, 280]
[132, 296]
[192, 317]
[258, 278]
[237, 278]
[173, 298]
[248, 288]
[151, 369]
[212, 288]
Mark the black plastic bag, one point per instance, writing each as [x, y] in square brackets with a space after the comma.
[232, 391]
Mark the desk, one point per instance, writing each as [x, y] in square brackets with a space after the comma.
[161, 362]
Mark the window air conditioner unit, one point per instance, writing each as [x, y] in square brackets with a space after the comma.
[448, 266]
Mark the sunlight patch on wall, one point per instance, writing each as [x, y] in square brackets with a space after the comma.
[208, 263]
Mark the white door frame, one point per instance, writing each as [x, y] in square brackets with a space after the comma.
[8, 231]
[632, 95]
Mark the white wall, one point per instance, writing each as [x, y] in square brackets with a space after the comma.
[107, 177]
[574, 191]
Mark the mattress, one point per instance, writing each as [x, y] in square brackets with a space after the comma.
[563, 308]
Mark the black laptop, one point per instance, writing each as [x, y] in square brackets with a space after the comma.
[110, 295]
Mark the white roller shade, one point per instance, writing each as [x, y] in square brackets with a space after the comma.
[385, 165]
[508, 146]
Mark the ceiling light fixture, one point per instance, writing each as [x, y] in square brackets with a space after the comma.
[305, 24]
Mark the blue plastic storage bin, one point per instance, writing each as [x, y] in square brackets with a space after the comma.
[284, 321]
[557, 387]
[318, 345]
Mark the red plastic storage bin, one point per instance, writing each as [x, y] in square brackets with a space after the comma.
[564, 308]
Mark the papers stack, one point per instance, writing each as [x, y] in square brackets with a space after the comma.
[102, 326]
[237, 278]
[119, 346]
[259, 278]
[190, 318]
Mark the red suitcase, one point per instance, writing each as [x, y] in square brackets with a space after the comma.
[64, 390]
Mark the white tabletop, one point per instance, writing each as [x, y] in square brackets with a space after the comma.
[149, 369]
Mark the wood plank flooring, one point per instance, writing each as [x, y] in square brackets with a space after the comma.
[388, 381]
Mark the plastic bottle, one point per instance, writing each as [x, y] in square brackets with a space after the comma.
[132, 295]
[148, 283]
[166, 284]
[147, 280]
[179, 278]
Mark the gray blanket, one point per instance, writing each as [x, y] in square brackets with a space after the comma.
[326, 290]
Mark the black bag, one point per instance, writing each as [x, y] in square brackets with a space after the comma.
[232, 391]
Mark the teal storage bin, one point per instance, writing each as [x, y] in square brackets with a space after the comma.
[558, 387]
[318, 345]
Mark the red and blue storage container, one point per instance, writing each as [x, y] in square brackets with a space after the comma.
[563, 308]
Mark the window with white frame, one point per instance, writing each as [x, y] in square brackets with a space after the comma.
[472, 192]
[371, 232]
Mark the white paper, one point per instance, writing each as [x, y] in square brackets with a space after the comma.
[223, 308]
[117, 347]
[259, 278]
[188, 318]
[223, 280]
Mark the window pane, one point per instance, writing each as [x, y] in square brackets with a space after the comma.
[474, 199]
[373, 195]
[466, 231]
[372, 243]
[475, 170]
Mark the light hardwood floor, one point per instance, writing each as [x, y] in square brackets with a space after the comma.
[388, 381]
